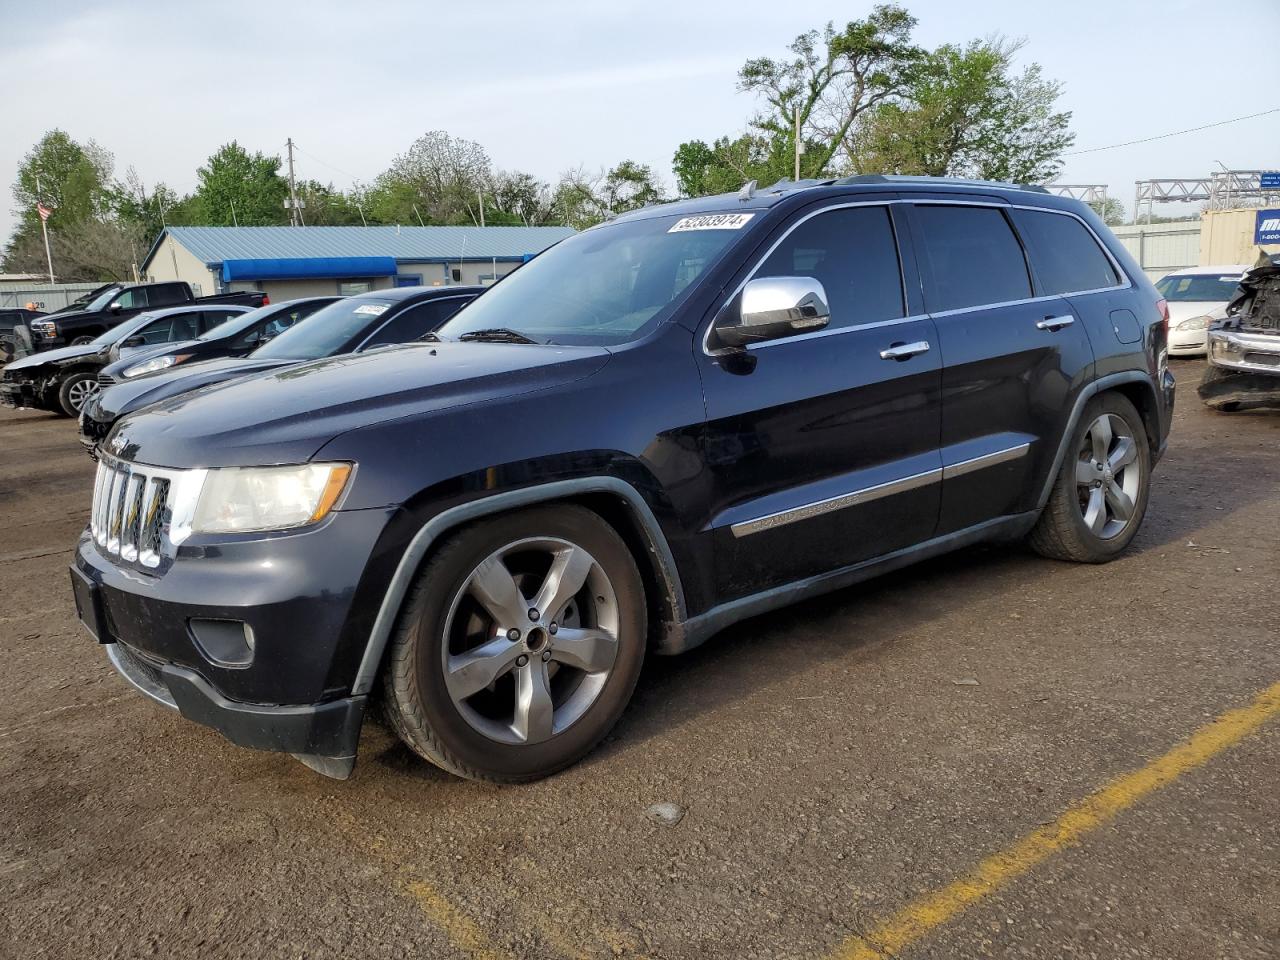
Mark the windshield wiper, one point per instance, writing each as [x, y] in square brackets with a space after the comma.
[497, 335]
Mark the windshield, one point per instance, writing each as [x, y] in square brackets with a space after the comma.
[116, 334]
[80, 302]
[336, 328]
[606, 286]
[1206, 287]
[103, 300]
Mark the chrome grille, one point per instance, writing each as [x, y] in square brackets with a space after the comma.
[141, 513]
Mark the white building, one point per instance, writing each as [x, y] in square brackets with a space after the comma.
[288, 262]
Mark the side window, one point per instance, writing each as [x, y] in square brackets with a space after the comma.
[167, 294]
[135, 299]
[1064, 254]
[973, 255]
[212, 318]
[852, 253]
[417, 321]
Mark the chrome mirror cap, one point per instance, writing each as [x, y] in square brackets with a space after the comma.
[772, 307]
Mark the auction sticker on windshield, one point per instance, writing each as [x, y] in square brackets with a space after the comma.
[372, 309]
[712, 221]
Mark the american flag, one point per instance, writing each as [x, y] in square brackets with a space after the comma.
[43, 211]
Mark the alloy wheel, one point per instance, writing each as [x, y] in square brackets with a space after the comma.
[1108, 476]
[81, 392]
[530, 640]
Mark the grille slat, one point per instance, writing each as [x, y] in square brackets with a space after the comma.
[131, 511]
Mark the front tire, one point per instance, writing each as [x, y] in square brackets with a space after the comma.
[81, 341]
[75, 391]
[1100, 496]
[519, 645]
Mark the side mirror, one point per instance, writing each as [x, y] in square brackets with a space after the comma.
[135, 341]
[115, 306]
[773, 307]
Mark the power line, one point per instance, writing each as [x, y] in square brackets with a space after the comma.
[323, 163]
[1176, 133]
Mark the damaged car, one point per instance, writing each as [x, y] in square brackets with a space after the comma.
[1244, 349]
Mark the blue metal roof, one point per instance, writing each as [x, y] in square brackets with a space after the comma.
[215, 245]
[294, 268]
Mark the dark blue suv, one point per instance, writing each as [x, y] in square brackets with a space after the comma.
[687, 416]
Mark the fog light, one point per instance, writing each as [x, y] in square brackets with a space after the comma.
[224, 643]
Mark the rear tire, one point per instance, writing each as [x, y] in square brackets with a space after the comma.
[80, 341]
[1098, 500]
[481, 682]
[75, 390]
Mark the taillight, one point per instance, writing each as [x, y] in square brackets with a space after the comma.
[1163, 307]
[266, 302]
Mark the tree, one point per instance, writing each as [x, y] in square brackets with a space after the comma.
[518, 199]
[965, 113]
[132, 205]
[438, 179]
[326, 205]
[629, 186]
[236, 186]
[95, 251]
[724, 166]
[832, 80]
[1111, 211]
[73, 181]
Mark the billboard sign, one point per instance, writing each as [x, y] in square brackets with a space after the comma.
[1267, 227]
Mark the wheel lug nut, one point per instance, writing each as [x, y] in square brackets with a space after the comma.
[533, 613]
[513, 634]
[553, 628]
[546, 655]
[521, 660]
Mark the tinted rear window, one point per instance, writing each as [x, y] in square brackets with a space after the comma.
[1064, 254]
[974, 257]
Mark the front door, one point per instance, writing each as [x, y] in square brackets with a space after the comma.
[823, 446]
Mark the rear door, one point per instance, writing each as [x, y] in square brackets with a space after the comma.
[1013, 360]
[823, 451]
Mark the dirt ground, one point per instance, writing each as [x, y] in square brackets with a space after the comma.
[835, 762]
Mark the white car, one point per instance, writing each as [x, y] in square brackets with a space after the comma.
[1197, 296]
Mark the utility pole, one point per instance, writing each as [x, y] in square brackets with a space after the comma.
[480, 194]
[293, 190]
[234, 221]
[799, 148]
[44, 228]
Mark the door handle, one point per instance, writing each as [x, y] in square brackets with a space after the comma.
[904, 351]
[1055, 323]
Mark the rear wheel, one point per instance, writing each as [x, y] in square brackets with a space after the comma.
[1100, 496]
[75, 392]
[519, 646]
[79, 341]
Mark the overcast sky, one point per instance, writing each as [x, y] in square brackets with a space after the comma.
[546, 85]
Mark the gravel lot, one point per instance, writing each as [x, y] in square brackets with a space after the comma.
[833, 762]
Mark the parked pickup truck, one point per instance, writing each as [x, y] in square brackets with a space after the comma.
[115, 303]
[689, 415]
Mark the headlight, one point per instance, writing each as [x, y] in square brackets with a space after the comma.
[1195, 323]
[46, 327]
[1225, 348]
[154, 364]
[244, 499]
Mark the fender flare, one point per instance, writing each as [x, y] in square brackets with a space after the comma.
[454, 517]
[1101, 385]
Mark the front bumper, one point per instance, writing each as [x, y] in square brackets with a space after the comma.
[1186, 343]
[296, 595]
[17, 394]
[1244, 351]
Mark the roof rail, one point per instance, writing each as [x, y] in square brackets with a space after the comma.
[963, 181]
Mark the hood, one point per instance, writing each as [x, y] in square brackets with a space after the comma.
[286, 415]
[1186, 309]
[127, 396]
[60, 355]
[60, 316]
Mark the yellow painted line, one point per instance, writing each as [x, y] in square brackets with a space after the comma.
[932, 910]
[461, 929]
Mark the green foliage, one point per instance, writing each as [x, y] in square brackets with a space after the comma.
[74, 180]
[238, 187]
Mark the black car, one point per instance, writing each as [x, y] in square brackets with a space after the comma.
[687, 416]
[237, 338]
[9, 319]
[62, 380]
[348, 325]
